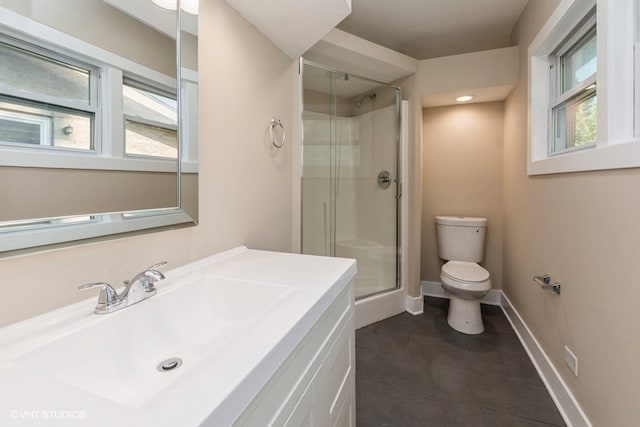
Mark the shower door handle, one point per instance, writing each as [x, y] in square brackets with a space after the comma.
[384, 179]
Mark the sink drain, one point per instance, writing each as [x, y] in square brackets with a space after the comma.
[169, 364]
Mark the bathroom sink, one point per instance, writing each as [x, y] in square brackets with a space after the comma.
[232, 319]
[117, 356]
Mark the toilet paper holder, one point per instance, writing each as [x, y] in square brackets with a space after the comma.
[545, 282]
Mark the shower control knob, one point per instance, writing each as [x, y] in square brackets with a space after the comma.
[384, 179]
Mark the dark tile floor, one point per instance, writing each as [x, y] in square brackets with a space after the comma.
[417, 371]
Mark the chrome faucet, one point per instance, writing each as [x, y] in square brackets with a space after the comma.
[139, 288]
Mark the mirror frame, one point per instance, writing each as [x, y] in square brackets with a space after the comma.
[40, 234]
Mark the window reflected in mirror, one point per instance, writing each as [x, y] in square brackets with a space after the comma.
[150, 122]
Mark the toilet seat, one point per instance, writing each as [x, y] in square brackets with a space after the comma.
[465, 275]
[465, 271]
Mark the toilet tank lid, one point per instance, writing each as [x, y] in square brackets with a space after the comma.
[462, 221]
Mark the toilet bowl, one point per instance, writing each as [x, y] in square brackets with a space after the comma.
[461, 243]
[466, 283]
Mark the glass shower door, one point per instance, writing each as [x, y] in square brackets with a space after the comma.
[350, 171]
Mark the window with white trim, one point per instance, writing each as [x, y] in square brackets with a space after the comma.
[574, 104]
[91, 114]
[46, 99]
[582, 79]
[150, 118]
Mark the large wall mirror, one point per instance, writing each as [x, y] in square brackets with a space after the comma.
[98, 119]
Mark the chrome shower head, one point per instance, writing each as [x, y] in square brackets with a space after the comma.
[370, 96]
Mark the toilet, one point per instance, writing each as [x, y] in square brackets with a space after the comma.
[461, 244]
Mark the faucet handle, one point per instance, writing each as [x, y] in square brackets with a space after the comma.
[154, 275]
[108, 295]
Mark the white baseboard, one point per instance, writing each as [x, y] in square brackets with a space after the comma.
[379, 307]
[435, 289]
[566, 403]
[415, 305]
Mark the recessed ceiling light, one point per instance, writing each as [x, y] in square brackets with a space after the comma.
[189, 6]
[465, 98]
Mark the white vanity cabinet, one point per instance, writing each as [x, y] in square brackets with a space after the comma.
[315, 386]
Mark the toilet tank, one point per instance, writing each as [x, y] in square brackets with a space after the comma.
[461, 238]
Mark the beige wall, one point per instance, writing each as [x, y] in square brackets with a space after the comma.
[584, 230]
[462, 158]
[245, 187]
[43, 193]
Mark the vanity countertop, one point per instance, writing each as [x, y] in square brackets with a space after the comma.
[232, 318]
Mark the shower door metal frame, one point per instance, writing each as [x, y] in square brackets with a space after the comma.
[398, 164]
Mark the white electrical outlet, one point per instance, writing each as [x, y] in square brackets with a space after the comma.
[571, 360]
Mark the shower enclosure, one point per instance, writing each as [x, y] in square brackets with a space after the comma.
[350, 174]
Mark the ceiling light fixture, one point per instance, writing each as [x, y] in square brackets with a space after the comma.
[189, 6]
[465, 98]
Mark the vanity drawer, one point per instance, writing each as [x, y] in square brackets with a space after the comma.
[299, 394]
[340, 365]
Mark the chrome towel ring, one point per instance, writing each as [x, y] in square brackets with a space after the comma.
[273, 125]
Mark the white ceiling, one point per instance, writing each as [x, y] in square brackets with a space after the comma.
[434, 28]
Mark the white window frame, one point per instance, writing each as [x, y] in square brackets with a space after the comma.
[189, 94]
[618, 143]
[109, 123]
[43, 123]
[91, 107]
[133, 83]
[56, 55]
[563, 97]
